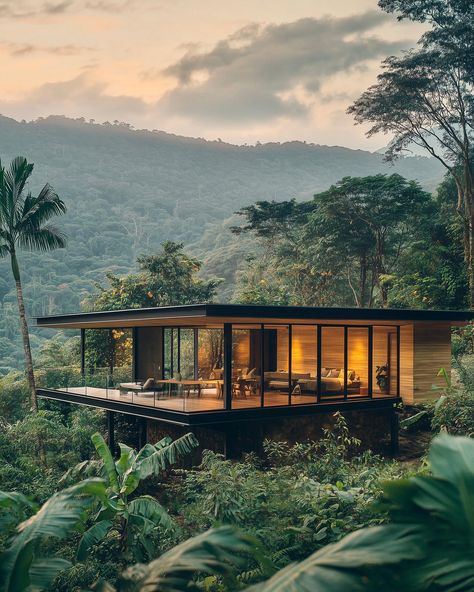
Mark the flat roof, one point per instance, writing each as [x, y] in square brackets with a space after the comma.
[216, 314]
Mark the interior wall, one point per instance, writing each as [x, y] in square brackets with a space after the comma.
[304, 350]
[149, 353]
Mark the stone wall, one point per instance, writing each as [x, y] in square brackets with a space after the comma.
[372, 427]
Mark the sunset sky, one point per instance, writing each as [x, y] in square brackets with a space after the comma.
[244, 71]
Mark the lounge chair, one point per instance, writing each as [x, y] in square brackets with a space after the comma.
[137, 387]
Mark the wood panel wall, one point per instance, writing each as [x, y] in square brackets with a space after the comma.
[358, 353]
[304, 350]
[384, 351]
[432, 351]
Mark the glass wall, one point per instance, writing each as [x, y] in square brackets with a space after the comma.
[332, 362]
[304, 364]
[357, 361]
[384, 361]
[246, 366]
[276, 365]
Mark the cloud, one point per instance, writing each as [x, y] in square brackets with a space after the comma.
[274, 70]
[32, 8]
[27, 49]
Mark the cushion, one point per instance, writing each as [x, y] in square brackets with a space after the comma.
[148, 383]
[324, 371]
[334, 373]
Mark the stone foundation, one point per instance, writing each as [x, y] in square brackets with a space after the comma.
[376, 428]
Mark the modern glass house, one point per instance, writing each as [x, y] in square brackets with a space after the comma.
[214, 366]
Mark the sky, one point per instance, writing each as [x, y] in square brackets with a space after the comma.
[243, 70]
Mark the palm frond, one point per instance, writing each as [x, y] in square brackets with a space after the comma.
[152, 459]
[345, 565]
[221, 551]
[46, 238]
[106, 456]
[38, 210]
[56, 519]
[15, 179]
[91, 537]
[147, 507]
[43, 571]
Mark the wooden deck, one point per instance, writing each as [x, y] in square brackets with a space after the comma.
[208, 401]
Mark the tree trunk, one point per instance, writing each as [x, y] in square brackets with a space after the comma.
[25, 334]
[470, 262]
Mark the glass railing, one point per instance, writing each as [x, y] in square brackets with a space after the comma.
[117, 384]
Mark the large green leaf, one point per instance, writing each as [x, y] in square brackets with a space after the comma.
[104, 452]
[147, 507]
[56, 518]
[151, 460]
[43, 571]
[127, 456]
[95, 534]
[347, 565]
[219, 551]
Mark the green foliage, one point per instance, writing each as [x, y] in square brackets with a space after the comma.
[363, 242]
[132, 520]
[22, 564]
[303, 497]
[168, 278]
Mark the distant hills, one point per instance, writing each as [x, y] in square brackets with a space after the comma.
[128, 190]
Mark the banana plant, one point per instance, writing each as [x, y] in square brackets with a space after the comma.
[132, 520]
[22, 565]
[218, 554]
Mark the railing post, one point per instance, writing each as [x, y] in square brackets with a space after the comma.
[227, 366]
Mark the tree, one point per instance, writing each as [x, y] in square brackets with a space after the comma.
[338, 248]
[369, 220]
[24, 225]
[425, 98]
[167, 278]
[133, 520]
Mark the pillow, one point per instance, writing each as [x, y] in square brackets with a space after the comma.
[324, 372]
[334, 372]
[148, 383]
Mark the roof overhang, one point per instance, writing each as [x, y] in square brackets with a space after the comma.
[216, 314]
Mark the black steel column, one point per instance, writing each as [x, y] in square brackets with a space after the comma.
[290, 333]
[111, 431]
[142, 432]
[345, 360]
[318, 363]
[196, 354]
[371, 345]
[227, 366]
[398, 360]
[134, 353]
[179, 349]
[262, 365]
[83, 351]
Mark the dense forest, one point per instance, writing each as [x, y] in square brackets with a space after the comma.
[153, 219]
[127, 191]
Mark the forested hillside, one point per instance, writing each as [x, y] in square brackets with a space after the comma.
[127, 191]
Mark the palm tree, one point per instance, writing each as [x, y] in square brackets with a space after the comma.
[23, 225]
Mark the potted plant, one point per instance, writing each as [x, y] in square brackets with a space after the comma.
[382, 377]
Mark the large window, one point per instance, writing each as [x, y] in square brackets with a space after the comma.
[246, 367]
[276, 365]
[357, 361]
[385, 361]
[332, 362]
[304, 364]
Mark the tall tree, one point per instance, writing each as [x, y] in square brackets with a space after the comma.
[24, 224]
[425, 98]
[370, 220]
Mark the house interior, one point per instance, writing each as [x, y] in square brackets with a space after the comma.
[182, 368]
